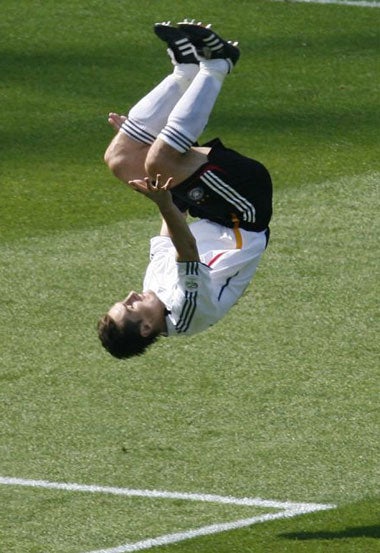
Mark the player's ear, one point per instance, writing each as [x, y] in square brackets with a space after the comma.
[146, 329]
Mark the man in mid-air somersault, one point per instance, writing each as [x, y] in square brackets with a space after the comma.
[197, 272]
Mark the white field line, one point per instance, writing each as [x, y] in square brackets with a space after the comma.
[203, 531]
[157, 494]
[287, 509]
[364, 4]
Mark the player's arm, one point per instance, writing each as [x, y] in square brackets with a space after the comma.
[174, 223]
[164, 227]
[179, 232]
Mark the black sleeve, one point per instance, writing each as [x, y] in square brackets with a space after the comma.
[181, 204]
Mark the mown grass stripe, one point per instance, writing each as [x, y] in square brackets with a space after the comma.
[357, 3]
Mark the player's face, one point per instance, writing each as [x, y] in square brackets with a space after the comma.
[136, 307]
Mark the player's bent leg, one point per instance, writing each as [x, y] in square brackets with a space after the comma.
[168, 162]
[126, 157]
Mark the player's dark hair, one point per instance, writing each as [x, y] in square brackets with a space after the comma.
[125, 341]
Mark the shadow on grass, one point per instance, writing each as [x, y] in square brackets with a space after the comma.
[358, 532]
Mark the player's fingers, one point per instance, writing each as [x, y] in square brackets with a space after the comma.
[156, 185]
[138, 185]
[168, 184]
[151, 185]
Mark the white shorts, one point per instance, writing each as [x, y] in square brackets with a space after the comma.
[229, 252]
[216, 243]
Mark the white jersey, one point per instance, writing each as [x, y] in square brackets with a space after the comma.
[198, 294]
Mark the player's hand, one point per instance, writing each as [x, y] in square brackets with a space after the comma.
[156, 190]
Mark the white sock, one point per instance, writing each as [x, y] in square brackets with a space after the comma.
[191, 113]
[150, 114]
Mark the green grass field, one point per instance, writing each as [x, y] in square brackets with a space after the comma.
[278, 401]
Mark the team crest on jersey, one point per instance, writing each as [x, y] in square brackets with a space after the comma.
[196, 194]
[191, 284]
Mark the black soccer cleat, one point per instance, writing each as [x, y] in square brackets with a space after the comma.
[209, 45]
[179, 44]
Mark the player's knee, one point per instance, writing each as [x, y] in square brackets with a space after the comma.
[116, 161]
[108, 156]
[113, 162]
[160, 158]
[154, 162]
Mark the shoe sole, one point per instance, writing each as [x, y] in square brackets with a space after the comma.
[208, 44]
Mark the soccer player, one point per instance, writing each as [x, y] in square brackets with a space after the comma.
[197, 272]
